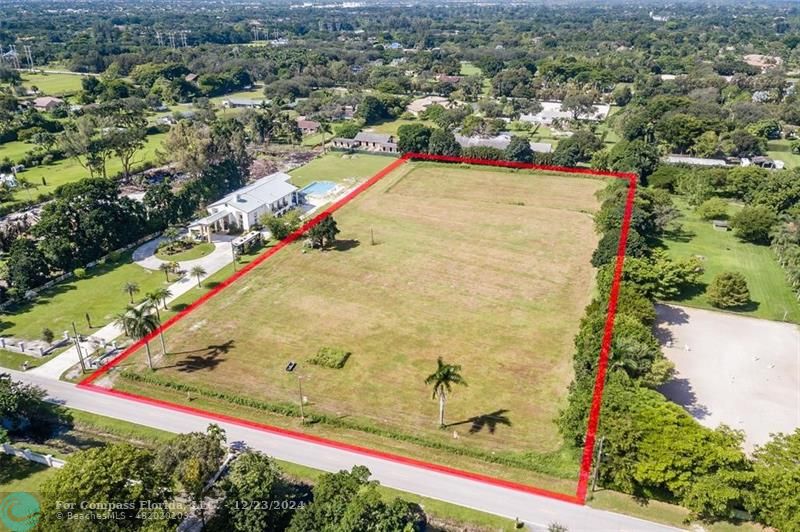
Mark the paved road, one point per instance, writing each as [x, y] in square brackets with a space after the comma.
[535, 510]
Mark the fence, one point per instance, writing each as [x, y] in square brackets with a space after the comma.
[46, 459]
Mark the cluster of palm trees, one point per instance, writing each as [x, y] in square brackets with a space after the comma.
[173, 267]
[785, 238]
[139, 322]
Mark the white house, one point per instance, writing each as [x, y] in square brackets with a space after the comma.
[552, 111]
[242, 208]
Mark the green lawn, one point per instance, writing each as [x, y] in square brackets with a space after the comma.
[195, 252]
[53, 84]
[15, 150]
[256, 93]
[722, 251]
[469, 69]
[316, 138]
[781, 149]
[14, 360]
[69, 170]
[391, 126]
[338, 166]
[17, 474]
[100, 295]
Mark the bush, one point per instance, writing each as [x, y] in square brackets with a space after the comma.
[47, 335]
[713, 209]
[330, 357]
[79, 273]
[114, 256]
[753, 224]
[728, 290]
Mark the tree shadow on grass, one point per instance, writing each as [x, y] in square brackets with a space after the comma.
[12, 469]
[179, 307]
[344, 245]
[678, 234]
[485, 421]
[203, 359]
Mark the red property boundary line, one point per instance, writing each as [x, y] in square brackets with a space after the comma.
[594, 413]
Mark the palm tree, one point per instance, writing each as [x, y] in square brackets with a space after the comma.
[121, 321]
[131, 288]
[324, 127]
[442, 380]
[165, 267]
[198, 272]
[140, 322]
[158, 297]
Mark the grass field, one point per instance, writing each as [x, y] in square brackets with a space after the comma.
[391, 126]
[69, 170]
[489, 269]
[53, 84]
[15, 150]
[769, 290]
[338, 166]
[782, 150]
[100, 294]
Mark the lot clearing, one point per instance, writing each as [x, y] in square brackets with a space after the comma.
[487, 268]
[740, 371]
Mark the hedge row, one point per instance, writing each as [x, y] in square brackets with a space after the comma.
[555, 464]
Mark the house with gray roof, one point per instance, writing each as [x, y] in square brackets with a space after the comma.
[377, 142]
[500, 142]
[243, 208]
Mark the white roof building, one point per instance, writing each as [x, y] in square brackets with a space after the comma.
[243, 208]
[500, 142]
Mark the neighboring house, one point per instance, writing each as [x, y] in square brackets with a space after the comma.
[552, 111]
[420, 105]
[8, 180]
[234, 103]
[377, 142]
[453, 80]
[499, 142]
[308, 127]
[763, 162]
[47, 103]
[242, 208]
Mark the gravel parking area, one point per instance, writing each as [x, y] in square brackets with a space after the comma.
[740, 371]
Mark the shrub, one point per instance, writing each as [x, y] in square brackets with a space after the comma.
[79, 273]
[713, 209]
[753, 224]
[728, 290]
[330, 357]
[114, 256]
[47, 335]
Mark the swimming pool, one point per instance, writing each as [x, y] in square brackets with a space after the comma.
[318, 188]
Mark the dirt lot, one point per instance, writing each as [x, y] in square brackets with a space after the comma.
[740, 371]
[486, 268]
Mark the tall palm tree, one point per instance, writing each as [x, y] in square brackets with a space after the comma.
[198, 272]
[158, 297]
[442, 380]
[131, 288]
[121, 321]
[140, 322]
[324, 127]
[165, 267]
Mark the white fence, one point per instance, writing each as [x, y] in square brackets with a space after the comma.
[45, 459]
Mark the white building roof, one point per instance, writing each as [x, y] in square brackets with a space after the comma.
[697, 161]
[500, 142]
[552, 110]
[262, 192]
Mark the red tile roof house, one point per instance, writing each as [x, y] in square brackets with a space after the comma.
[47, 103]
[308, 127]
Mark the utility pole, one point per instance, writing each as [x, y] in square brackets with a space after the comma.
[172, 39]
[233, 253]
[183, 38]
[597, 462]
[302, 413]
[78, 347]
[159, 39]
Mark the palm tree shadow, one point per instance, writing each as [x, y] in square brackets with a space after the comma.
[210, 358]
[485, 421]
